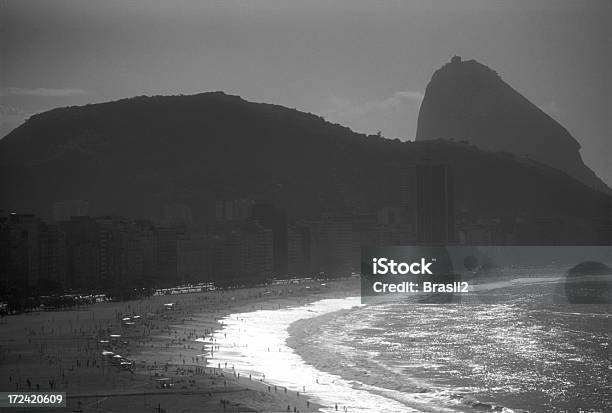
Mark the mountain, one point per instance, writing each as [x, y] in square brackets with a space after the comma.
[133, 156]
[466, 100]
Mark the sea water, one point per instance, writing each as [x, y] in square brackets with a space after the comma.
[405, 357]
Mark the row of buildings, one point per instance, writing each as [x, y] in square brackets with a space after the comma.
[106, 253]
[247, 242]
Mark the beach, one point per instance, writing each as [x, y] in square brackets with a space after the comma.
[154, 354]
[266, 343]
[309, 346]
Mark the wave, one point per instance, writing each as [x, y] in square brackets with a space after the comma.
[398, 358]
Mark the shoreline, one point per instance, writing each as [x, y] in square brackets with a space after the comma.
[255, 344]
[61, 351]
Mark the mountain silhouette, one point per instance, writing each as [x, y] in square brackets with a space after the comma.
[133, 156]
[466, 100]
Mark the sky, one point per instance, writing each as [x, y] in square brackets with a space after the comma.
[364, 64]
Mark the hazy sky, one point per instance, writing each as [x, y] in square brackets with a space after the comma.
[364, 64]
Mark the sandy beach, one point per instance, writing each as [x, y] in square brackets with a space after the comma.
[150, 355]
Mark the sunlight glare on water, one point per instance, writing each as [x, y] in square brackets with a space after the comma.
[254, 343]
[400, 357]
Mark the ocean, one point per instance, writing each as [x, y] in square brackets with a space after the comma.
[405, 357]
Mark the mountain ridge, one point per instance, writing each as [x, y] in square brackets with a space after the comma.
[467, 100]
[133, 156]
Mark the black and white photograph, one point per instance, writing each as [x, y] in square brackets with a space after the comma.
[352, 206]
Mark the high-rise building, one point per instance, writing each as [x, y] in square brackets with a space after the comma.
[226, 242]
[136, 260]
[64, 210]
[275, 220]
[82, 253]
[113, 249]
[298, 251]
[435, 223]
[33, 256]
[52, 258]
[397, 225]
[194, 258]
[242, 251]
[257, 251]
[166, 255]
[177, 215]
[22, 232]
[233, 210]
[331, 244]
[142, 253]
